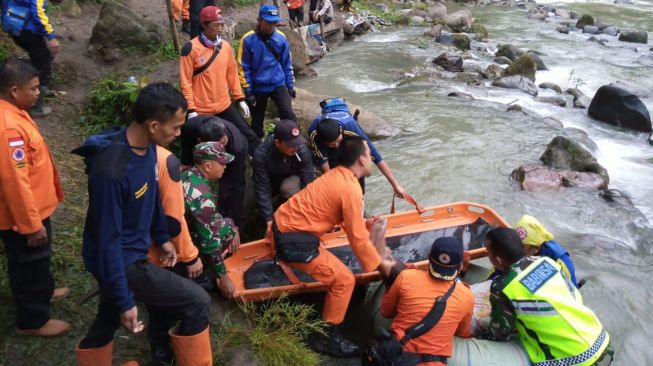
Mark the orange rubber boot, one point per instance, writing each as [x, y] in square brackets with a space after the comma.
[192, 350]
[101, 356]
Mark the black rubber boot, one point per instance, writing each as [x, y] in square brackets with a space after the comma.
[40, 109]
[185, 26]
[334, 344]
[162, 355]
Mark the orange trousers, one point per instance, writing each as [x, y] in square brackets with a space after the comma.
[328, 269]
[180, 9]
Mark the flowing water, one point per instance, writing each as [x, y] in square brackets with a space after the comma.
[453, 149]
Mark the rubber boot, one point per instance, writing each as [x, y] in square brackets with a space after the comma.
[334, 344]
[40, 109]
[192, 350]
[100, 356]
[185, 26]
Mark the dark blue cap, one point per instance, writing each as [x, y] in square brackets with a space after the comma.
[445, 258]
[269, 13]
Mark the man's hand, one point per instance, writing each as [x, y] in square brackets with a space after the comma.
[235, 243]
[251, 100]
[129, 320]
[38, 238]
[226, 286]
[195, 269]
[244, 108]
[54, 46]
[292, 92]
[168, 254]
[399, 191]
[387, 263]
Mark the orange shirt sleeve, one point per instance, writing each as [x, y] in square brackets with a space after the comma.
[465, 326]
[186, 77]
[232, 75]
[15, 182]
[390, 298]
[354, 226]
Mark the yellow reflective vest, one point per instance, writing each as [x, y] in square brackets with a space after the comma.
[554, 326]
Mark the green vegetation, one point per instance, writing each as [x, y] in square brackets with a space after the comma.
[166, 52]
[245, 3]
[275, 331]
[584, 20]
[461, 42]
[391, 16]
[523, 65]
[7, 47]
[480, 31]
[109, 104]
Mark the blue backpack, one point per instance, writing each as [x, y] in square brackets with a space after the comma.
[14, 18]
[337, 104]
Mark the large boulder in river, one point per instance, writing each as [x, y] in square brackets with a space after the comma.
[449, 61]
[565, 153]
[634, 36]
[537, 178]
[509, 51]
[516, 82]
[584, 20]
[539, 63]
[524, 66]
[300, 59]
[460, 21]
[307, 105]
[135, 32]
[437, 11]
[621, 108]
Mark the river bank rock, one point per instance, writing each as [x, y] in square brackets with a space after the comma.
[509, 51]
[536, 178]
[437, 11]
[555, 100]
[582, 138]
[524, 66]
[135, 31]
[610, 31]
[564, 29]
[435, 31]
[461, 41]
[460, 21]
[584, 20]
[445, 38]
[516, 82]
[553, 86]
[300, 59]
[539, 63]
[564, 153]
[634, 37]
[620, 107]
[591, 29]
[449, 61]
[307, 105]
[580, 99]
[503, 60]
[493, 71]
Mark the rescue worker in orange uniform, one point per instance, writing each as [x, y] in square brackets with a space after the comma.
[208, 76]
[412, 295]
[333, 199]
[171, 195]
[180, 10]
[30, 191]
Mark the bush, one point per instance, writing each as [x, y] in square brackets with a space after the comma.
[480, 31]
[109, 104]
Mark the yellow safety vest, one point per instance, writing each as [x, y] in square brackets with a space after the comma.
[554, 326]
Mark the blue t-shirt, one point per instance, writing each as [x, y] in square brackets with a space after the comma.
[124, 212]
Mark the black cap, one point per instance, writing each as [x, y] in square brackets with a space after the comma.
[445, 258]
[328, 129]
[287, 131]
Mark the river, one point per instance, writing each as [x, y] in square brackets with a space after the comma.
[452, 149]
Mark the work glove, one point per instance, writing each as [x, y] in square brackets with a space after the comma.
[244, 109]
[192, 114]
[249, 98]
[293, 93]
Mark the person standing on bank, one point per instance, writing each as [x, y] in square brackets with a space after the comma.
[282, 165]
[30, 191]
[124, 217]
[265, 68]
[29, 26]
[208, 76]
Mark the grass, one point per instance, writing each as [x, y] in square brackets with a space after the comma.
[7, 47]
[109, 104]
[390, 16]
[245, 3]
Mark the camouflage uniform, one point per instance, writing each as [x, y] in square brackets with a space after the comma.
[210, 232]
[502, 322]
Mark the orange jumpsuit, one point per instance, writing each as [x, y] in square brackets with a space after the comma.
[209, 92]
[412, 296]
[30, 187]
[180, 9]
[333, 199]
[171, 194]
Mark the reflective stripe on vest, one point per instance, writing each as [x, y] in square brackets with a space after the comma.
[554, 326]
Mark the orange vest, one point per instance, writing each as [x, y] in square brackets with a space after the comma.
[30, 187]
[171, 194]
[295, 4]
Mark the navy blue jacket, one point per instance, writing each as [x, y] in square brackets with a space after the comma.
[261, 70]
[124, 211]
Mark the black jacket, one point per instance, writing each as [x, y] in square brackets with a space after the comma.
[271, 167]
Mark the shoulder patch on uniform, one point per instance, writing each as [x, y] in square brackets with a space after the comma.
[174, 168]
[174, 226]
[185, 50]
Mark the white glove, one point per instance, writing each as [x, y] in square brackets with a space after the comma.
[244, 108]
[192, 115]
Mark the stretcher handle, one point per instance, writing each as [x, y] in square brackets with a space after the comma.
[408, 198]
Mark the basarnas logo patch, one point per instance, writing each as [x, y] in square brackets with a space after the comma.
[18, 154]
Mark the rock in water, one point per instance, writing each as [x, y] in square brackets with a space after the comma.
[634, 36]
[582, 138]
[460, 21]
[559, 101]
[493, 71]
[580, 99]
[461, 42]
[583, 179]
[537, 178]
[564, 153]
[591, 29]
[538, 60]
[437, 11]
[551, 86]
[435, 31]
[480, 31]
[516, 82]
[621, 108]
[503, 60]
[610, 31]
[445, 38]
[509, 51]
[563, 29]
[119, 27]
[584, 20]
[450, 62]
[523, 65]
